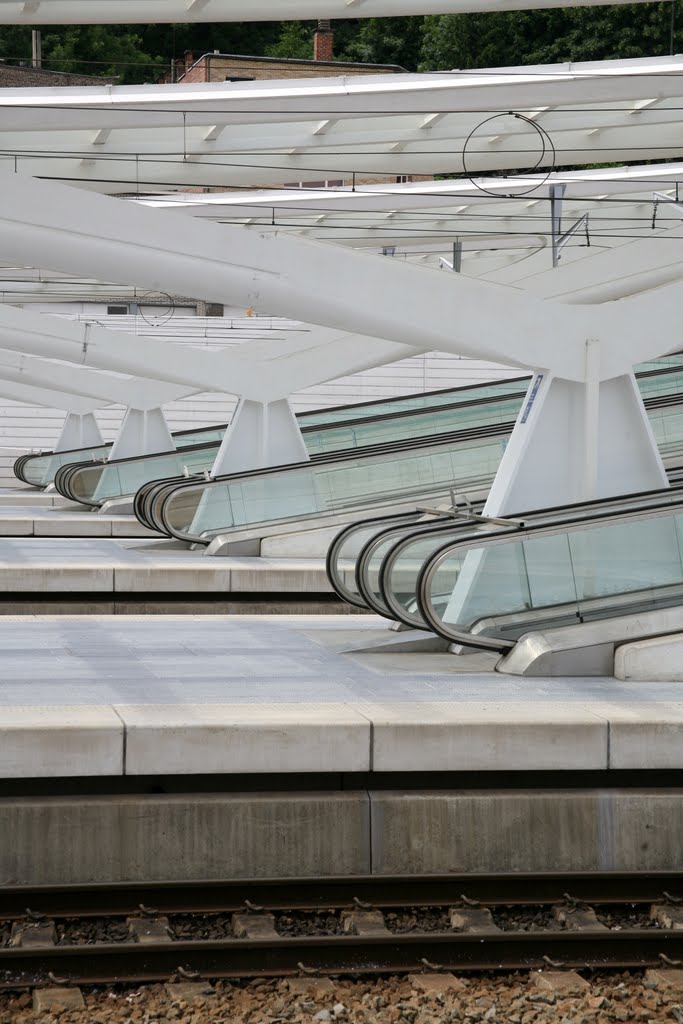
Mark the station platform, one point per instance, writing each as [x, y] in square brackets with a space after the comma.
[84, 575]
[255, 746]
[216, 694]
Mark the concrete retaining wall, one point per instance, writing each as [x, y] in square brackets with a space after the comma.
[61, 840]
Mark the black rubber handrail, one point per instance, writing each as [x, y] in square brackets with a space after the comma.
[512, 535]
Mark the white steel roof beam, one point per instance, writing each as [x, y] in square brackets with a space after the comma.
[48, 398]
[79, 380]
[71, 230]
[504, 89]
[85, 12]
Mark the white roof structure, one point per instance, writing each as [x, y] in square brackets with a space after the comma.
[581, 326]
[150, 138]
[422, 220]
[503, 239]
[127, 12]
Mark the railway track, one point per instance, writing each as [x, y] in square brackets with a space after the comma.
[355, 926]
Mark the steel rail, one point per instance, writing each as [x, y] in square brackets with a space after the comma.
[102, 963]
[227, 895]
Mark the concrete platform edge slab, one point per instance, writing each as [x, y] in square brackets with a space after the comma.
[181, 837]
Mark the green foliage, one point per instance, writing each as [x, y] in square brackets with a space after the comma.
[387, 41]
[294, 42]
[503, 39]
[142, 53]
[114, 54]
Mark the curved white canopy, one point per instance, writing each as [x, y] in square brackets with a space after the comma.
[147, 138]
[423, 219]
[503, 239]
[89, 12]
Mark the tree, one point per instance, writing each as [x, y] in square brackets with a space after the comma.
[387, 41]
[503, 39]
[295, 41]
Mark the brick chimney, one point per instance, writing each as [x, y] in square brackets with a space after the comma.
[323, 40]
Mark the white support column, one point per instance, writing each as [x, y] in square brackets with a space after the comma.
[575, 441]
[143, 432]
[260, 434]
[80, 430]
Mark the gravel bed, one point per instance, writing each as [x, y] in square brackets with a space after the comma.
[306, 922]
[636, 916]
[505, 999]
[418, 919]
[524, 919]
[200, 926]
[85, 931]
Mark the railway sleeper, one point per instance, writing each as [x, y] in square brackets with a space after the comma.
[667, 916]
[476, 920]
[33, 933]
[576, 919]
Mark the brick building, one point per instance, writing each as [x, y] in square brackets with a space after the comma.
[21, 76]
[224, 67]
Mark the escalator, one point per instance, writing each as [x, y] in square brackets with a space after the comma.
[38, 469]
[376, 563]
[325, 432]
[375, 478]
[488, 591]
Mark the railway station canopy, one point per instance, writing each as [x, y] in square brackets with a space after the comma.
[258, 134]
[559, 318]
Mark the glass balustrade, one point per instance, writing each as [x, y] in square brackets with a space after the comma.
[417, 403]
[359, 434]
[100, 482]
[407, 551]
[488, 592]
[40, 470]
[95, 484]
[307, 489]
[314, 488]
[388, 420]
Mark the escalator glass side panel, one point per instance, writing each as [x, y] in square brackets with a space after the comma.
[395, 428]
[492, 591]
[414, 403]
[322, 487]
[93, 485]
[400, 569]
[40, 470]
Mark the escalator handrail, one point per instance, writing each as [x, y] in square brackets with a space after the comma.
[572, 524]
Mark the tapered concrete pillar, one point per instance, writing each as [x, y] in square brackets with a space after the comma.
[260, 434]
[80, 430]
[143, 432]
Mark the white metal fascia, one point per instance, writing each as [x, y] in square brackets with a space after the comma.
[129, 12]
[412, 196]
[367, 96]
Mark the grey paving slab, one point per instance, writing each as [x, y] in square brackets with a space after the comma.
[37, 564]
[254, 659]
[43, 520]
[200, 694]
[16, 496]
